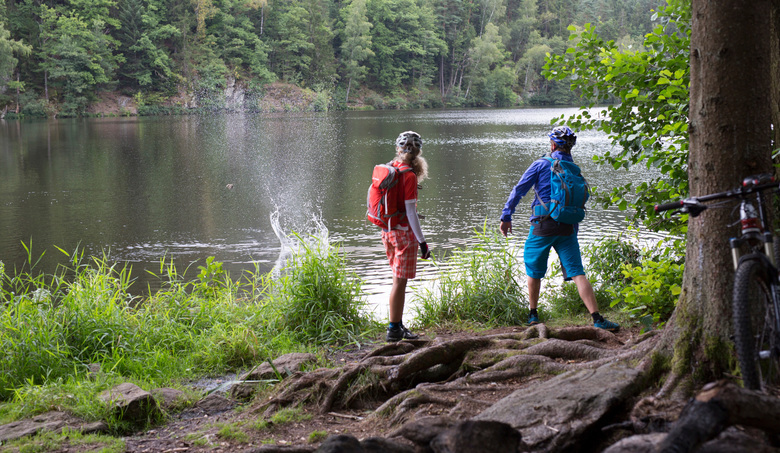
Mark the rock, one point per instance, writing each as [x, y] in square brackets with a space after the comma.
[214, 404]
[644, 443]
[382, 445]
[281, 449]
[422, 430]
[243, 391]
[478, 436]
[132, 403]
[169, 399]
[50, 421]
[554, 414]
[285, 364]
[729, 441]
[340, 443]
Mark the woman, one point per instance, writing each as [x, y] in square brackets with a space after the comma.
[402, 240]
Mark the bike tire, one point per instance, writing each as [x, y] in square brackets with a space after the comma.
[754, 332]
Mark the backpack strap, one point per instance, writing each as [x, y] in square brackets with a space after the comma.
[401, 169]
[553, 161]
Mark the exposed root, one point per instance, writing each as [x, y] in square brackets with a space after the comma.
[453, 374]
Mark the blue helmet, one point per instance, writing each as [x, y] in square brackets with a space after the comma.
[563, 136]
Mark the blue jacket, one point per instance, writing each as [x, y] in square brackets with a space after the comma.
[538, 177]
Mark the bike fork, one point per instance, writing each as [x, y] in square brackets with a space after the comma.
[774, 350]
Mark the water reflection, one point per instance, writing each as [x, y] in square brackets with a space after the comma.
[145, 188]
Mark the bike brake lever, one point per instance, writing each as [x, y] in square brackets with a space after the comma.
[694, 209]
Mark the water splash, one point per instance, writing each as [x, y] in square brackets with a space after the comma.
[312, 234]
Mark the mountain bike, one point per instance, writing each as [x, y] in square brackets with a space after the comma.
[756, 297]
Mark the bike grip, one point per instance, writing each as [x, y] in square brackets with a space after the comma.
[669, 206]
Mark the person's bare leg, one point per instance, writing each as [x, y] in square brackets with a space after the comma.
[397, 299]
[586, 293]
[534, 288]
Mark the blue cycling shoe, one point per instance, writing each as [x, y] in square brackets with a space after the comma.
[607, 325]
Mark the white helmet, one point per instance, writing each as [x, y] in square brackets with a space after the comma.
[409, 139]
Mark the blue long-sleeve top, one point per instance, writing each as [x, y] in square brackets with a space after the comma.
[537, 176]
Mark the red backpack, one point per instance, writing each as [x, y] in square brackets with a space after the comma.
[383, 193]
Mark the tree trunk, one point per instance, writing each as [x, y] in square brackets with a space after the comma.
[730, 135]
[349, 85]
[775, 71]
[18, 90]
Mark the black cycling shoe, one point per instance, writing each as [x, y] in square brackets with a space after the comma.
[400, 333]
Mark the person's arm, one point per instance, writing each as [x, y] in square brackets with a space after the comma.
[518, 192]
[414, 224]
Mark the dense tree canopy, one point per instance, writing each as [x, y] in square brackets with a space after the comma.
[446, 52]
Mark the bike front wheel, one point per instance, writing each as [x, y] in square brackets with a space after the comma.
[755, 332]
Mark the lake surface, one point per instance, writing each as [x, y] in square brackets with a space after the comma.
[147, 187]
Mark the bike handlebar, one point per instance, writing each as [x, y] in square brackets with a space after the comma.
[693, 205]
[669, 206]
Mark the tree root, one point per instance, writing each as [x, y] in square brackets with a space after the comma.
[717, 406]
[410, 374]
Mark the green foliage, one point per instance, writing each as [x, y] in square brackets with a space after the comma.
[467, 53]
[212, 279]
[652, 291]
[404, 39]
[605, 258]
[53, 327]
[9, 47]
[644, 282]
[318, 299]
[356, 44]
[649, 125]
[565, 302]
[142, 39]
[479, 285]
[78, 52]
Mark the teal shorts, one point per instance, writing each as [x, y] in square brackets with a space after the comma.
[537, 251]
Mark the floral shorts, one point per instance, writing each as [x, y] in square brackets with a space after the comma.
[401, 248]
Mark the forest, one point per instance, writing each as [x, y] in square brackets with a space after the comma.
[58, 56]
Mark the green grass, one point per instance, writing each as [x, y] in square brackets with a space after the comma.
[479, 285]
[319, 300]
[52, 327]
[317, 436]
[48, 441]
[231, 431]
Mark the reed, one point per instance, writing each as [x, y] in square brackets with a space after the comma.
[476, 285]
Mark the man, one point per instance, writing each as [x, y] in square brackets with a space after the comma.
[547, 233]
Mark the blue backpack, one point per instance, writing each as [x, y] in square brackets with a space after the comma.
[568, 193]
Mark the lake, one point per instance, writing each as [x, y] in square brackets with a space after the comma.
[190, 187]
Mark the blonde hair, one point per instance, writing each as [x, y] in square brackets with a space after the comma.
[410, 155]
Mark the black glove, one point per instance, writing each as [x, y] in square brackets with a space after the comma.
[424, 252]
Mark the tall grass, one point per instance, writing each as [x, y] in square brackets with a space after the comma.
[477, 285]
[53, 327]
[318, 299]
